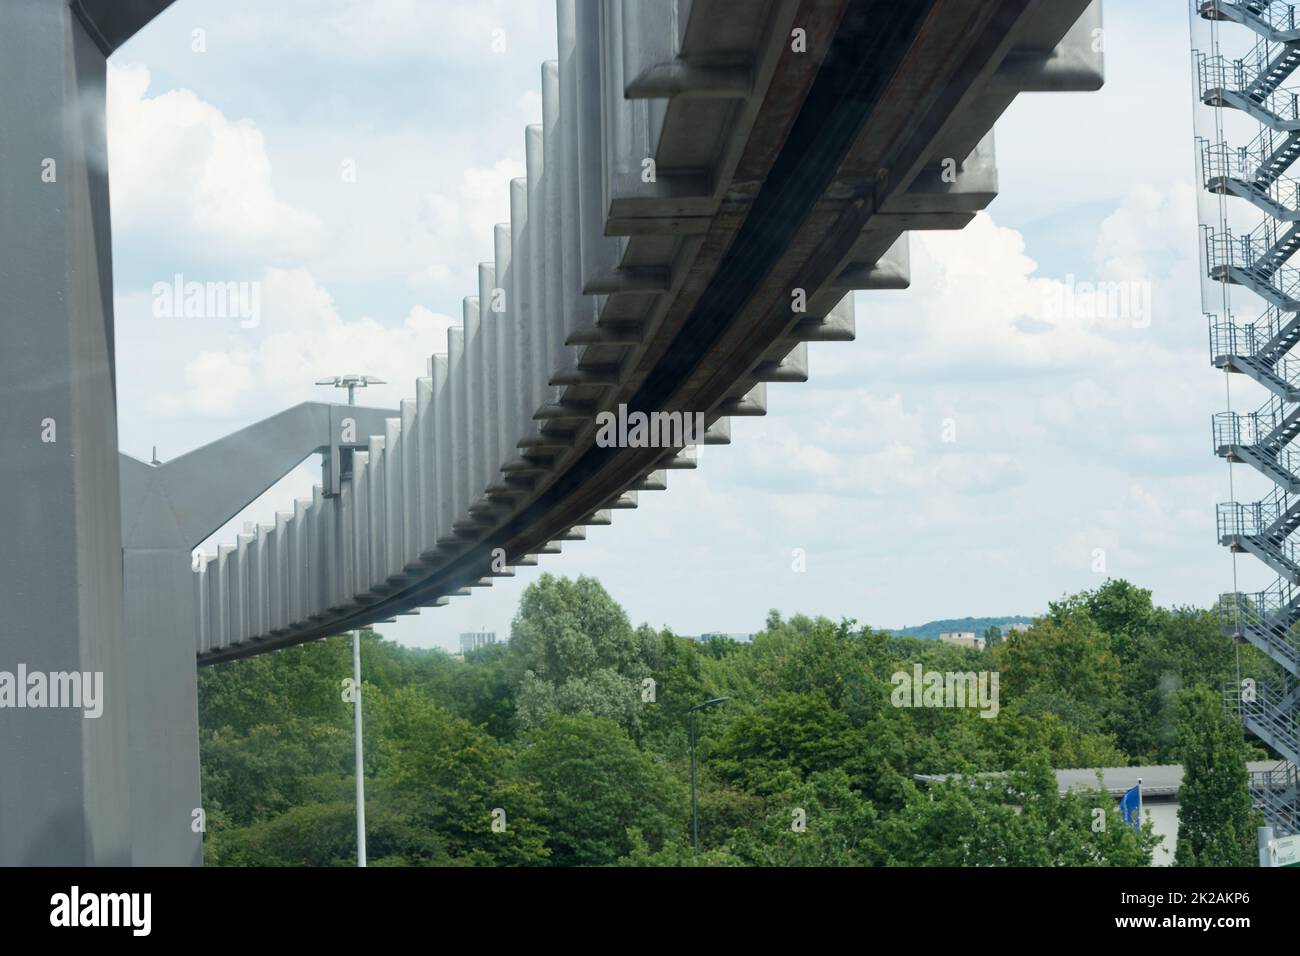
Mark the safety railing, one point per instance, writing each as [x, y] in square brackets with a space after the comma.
[1235, 75]
[1274, 609]
[1264, 707]
[1259, 519]
[1252, 339]
[1276, 15]
[1255, 254]
[1260, 428]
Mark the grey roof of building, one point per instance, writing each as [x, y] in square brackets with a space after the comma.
[1157, 780]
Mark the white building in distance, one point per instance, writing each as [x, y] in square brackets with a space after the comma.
[962, 639]
[474, 640]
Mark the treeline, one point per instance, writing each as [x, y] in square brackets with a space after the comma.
[569, 745]
[980, 626]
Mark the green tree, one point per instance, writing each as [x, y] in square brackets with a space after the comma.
[597, 786]
[1121, 610]
[800, 732]
[578, 654]
[457, 782]
[818, 821]
[1064, 665]
[1216, 826]
[1017, 819]
[325, 834]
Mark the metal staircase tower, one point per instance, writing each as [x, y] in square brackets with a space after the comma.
[1249, 247]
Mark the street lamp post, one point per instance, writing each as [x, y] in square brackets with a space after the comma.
[352, 383]
[695, 812]
[356, 733]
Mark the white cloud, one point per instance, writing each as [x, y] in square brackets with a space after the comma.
[1150, 225]
[182, 171]
[454, 30]
[454, 222]
[302, 338]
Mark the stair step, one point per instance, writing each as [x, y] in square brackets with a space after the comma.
[1277, 649]
[1279, 253]
[1278, 161]
[1254, 193]
[1275, 74]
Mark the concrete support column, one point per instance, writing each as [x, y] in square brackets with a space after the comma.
[167, 511]
[161, 621]
[64, 785]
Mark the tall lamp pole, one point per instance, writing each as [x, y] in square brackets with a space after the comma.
[695, 811]
[356, 737]
[352, 383]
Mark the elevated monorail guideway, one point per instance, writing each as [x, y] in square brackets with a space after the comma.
[710, 183]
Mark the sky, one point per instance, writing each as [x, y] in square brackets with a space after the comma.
[996, 437]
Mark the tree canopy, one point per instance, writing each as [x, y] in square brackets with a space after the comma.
[569, 745]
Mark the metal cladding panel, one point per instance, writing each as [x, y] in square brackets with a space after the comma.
[556, 243]
[304, 564]
[647, 45]
[425, 487]
[439, 464]
[361, 523]
[577, 310]
[271, 557]
[536, 343]
[220, 599]
[232, 590]
[394, 511]
[239, 631]
[515, 367]
[294, 577]
[329, 553]
[599, 253]
[502, 380]
[204, 634]
[314, 588]
[280, 566]
[458, 432]
[482, 396]
[623, 121]
[272, 582]
[492, 328]
[249, 561]
[412, 502]
[649, 38]
[346, 535]
[476, 383]
[441, 467]
[1078, 63]
[259, 618]
[377, 489]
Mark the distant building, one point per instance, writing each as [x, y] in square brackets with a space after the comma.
[1160, 786]
[962, 639]
[740, 638]
[475, 640]
[1015, 627]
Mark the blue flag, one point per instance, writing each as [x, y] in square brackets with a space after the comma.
[1130, 805]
